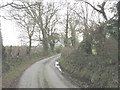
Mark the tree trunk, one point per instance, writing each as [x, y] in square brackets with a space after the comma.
[87, 44]
[30, 44]
[118, 8]
[45, 42]
[0, 45]
[52, 45]
[73, 39]
[66, 35]
[66, 30]
[87, 38]
[88, 48]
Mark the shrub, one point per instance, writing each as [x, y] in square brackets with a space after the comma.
[5, 67]
[67, 51]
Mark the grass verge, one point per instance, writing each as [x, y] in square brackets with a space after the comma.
[10, 78]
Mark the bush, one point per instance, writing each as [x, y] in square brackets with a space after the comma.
[5, 67]
[67, 51]
[92, 70]
[58, 49]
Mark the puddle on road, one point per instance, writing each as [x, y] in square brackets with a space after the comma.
[57, 66]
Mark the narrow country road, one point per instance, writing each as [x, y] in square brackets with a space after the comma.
[44, 74]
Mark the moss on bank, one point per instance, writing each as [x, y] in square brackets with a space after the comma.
[91, 71]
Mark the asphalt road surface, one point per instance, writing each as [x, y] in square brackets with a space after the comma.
[44, 74]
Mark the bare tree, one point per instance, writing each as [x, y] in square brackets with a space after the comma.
[26, 23]
[53, 36]
[83, 15]
[74, 26]
[118, 9]
[66, 30]
[0, 44]
[42, 14]
[100, 8]
[0, 57]
[8, 4]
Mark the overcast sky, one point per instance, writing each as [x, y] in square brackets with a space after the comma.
[10, 32]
